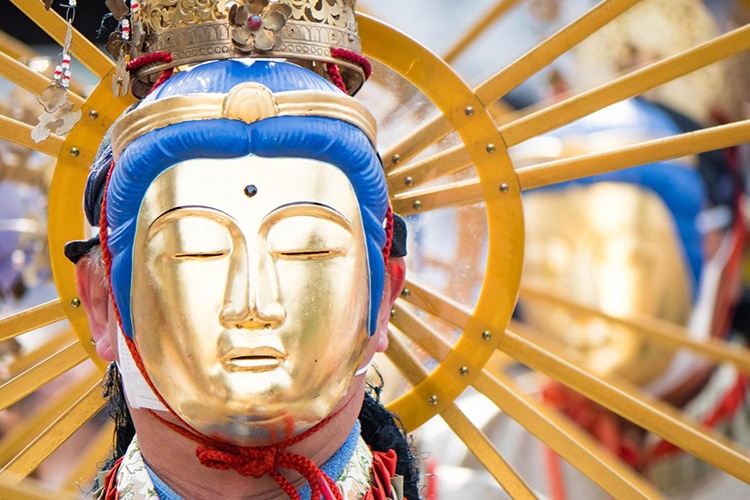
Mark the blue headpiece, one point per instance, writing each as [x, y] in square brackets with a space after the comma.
[680, 187]
[325, 139]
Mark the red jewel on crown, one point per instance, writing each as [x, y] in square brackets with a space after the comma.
[254, 22]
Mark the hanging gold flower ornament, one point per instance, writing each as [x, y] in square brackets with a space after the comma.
[256, 24]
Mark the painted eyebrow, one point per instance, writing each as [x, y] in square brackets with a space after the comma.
[291, 210]
[201, 212]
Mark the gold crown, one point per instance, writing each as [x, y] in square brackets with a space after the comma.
[194, 31]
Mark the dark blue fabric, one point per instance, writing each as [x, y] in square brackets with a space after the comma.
[680, 187]
[329, 140]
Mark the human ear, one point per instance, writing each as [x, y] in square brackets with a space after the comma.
[395, 276]
[92, 290]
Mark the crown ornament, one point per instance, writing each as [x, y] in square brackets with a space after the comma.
[311, 33]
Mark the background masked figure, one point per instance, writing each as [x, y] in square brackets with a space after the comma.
[649, 242]
[243, 293]
[662, 241]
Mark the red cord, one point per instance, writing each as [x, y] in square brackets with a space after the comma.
[335, 74]
[154, 57]
[262, 461]
[354, 57]
[165, 75]
[388, 236]
[727, 408]
[555, 478]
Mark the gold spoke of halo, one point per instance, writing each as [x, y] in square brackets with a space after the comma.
[44, 351]
[56, 434]
[474, 439]
[32, 379]
[28, 79]
[427, 134]
[23, 433]
[29, 489]
[436, 304]
[627, 401]
[20, 133]
[87, 465]
[486, 20]
[568, 169]
[677, 146]
[553, 47]
[555, 430]
[421, 172]
[629, 85]
[512, 76]
[659, 331]
[31, 319]
[445, 195]
[15, 48]
[56, 27]
[634, 405]
[575, 107]
[22, 53]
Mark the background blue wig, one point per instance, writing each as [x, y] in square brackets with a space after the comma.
[680, 187]
[332, 141]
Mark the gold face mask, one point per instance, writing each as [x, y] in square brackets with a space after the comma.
[250, 294]
[613, 247]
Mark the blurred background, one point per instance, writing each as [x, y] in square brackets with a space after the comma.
[662, 243]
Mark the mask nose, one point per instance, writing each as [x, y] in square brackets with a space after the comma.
[252, 317]
[251, 299]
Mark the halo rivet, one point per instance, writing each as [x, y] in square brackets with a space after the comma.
[251, 190]
[393, 314]
[417, 205]
[469, 111]
[405, 292]
[433, 400]
[74, 151]
[93, 114]
[486, 335]
[409, 181]
[76, 302]
[396, 159]
[504, 188]
[491, 148]
[464, 370]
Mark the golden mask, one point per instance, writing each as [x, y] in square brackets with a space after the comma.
[250, 294]
[613, 247]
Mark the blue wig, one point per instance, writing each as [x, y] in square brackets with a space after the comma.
[325, 139]
[680, 187]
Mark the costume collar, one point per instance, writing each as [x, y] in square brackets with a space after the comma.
[351, 465]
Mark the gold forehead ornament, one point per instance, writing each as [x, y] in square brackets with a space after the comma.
[247, 102]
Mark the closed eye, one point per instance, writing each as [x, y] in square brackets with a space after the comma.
[200, 255]
[309, 254]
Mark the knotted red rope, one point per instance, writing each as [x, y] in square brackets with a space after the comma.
[264, 461]
[154, 57]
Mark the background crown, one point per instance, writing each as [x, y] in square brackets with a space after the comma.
[193, 31]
